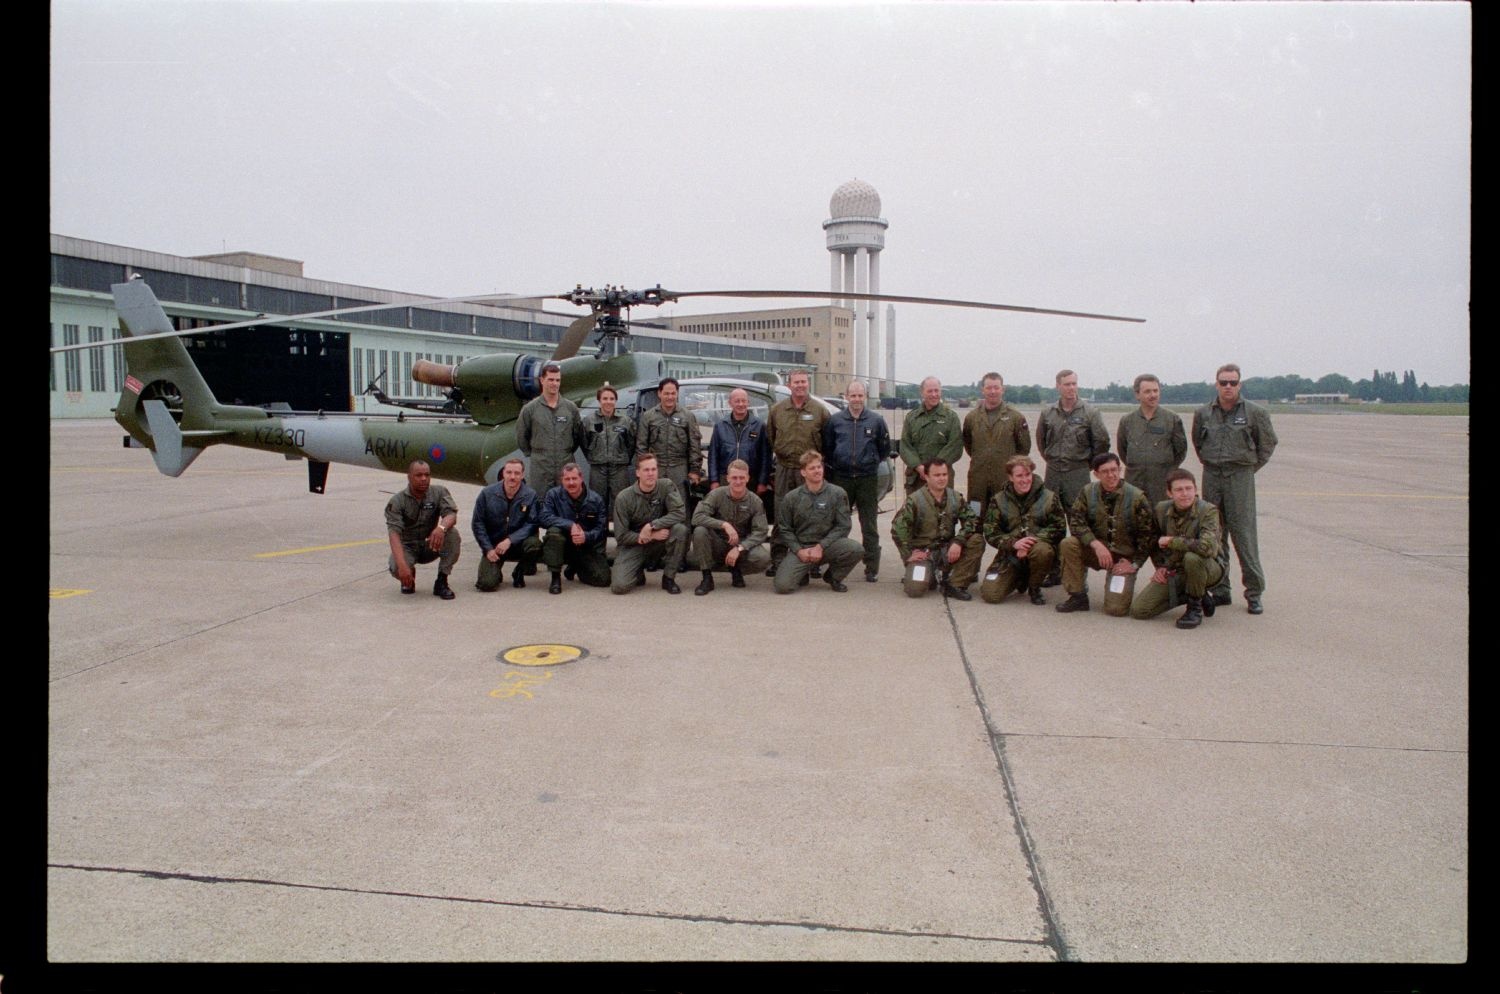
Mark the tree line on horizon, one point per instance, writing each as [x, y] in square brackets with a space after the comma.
[1385, 387]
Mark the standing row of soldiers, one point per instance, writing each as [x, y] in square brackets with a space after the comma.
[1233, 438]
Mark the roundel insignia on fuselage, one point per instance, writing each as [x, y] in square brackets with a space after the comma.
[436, 453]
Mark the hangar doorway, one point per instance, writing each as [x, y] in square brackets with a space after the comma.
[308, 370]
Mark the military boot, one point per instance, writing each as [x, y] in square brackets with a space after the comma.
[1209, 605]
[518, 577]
[706, 585]
[736, 578]
[1054, 578]
[956, 593]
[1036, 595]
[1192, 617]
[441, 589]
[555, 587]
[670, 585]
[1075, 602]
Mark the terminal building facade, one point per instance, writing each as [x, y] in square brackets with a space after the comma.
[325, 364]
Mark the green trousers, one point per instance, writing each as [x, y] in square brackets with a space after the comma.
[863, 497]
[1198, 574]
[1232, 491]
[1009, 573]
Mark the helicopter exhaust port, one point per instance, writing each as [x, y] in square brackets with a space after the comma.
[433, 374]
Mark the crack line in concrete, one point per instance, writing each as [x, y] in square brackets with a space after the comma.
[1044, 901]
[542, 905]
[227, 621]
[1260, 742]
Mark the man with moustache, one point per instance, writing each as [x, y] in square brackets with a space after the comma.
[1150, 441]
[504, 525]
[575, 521]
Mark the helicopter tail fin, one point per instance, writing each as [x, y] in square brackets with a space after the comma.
[165, 405]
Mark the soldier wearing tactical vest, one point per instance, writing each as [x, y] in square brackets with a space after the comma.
[1186, 555]
[1113, 530]
[1234, 439]
[1026, 523]
[1150, 441]
[937, 531]
[548, 430]
[993, 432]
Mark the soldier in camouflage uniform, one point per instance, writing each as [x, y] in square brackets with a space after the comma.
[813, 520]
[609, 446]
[730, 529]
[793, 427]
[548, 430]
[650, 527]
[1186, 555]
[1150, 441]
[1026, 522]
[993, 432]
[671, 434]
[419, 526]
[935, 531]
[1113, 530]
[1234, 439]
[930, 433]
[1069, 435]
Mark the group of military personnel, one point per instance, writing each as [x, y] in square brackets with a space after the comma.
[822, 468]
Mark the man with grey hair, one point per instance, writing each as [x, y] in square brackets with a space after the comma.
[930, 433]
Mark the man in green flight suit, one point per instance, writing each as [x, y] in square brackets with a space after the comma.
[419, 527]
[993, 432]
[1186, 555]
[548, 430]
[1150, 441]
[1070, 435]
[1234, 439]
[930, 433]
[814, 521]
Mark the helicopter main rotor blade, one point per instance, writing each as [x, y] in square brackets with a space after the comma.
[896, 298]
[572, 339]
[480, 298]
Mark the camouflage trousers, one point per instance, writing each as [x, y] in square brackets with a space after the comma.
[1008, 573]
[1077, 558]
[1197, 576]
[959, 574]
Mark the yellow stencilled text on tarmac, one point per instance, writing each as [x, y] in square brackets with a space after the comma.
[542, 655]
[58, 593]
[320, 548]
[517, 684]
[1329, 493]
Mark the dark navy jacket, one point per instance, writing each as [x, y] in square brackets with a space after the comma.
[745, 440]
[561, 511]
[855, 448]
[497, 518]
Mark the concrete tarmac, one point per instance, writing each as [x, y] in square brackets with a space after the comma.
[260, 750]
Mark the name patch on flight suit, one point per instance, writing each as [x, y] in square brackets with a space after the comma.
[805, 417]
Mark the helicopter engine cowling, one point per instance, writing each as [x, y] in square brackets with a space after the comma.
[494, 387]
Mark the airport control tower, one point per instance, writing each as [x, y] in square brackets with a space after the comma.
[856, 234]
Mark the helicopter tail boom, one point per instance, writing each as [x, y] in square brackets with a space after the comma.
[165, 404]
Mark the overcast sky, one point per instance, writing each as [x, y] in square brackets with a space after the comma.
[1286, 186]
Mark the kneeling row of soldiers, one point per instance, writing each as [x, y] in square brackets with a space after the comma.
[941, 537]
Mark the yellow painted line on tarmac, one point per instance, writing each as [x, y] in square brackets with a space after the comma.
[58, 593]
[1332, 493]
[320, 548]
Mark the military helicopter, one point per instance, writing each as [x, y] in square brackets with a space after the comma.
[167, 407]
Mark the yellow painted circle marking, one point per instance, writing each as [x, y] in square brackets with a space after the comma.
[542, 655]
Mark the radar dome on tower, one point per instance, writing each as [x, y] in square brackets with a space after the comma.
[855, 198]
